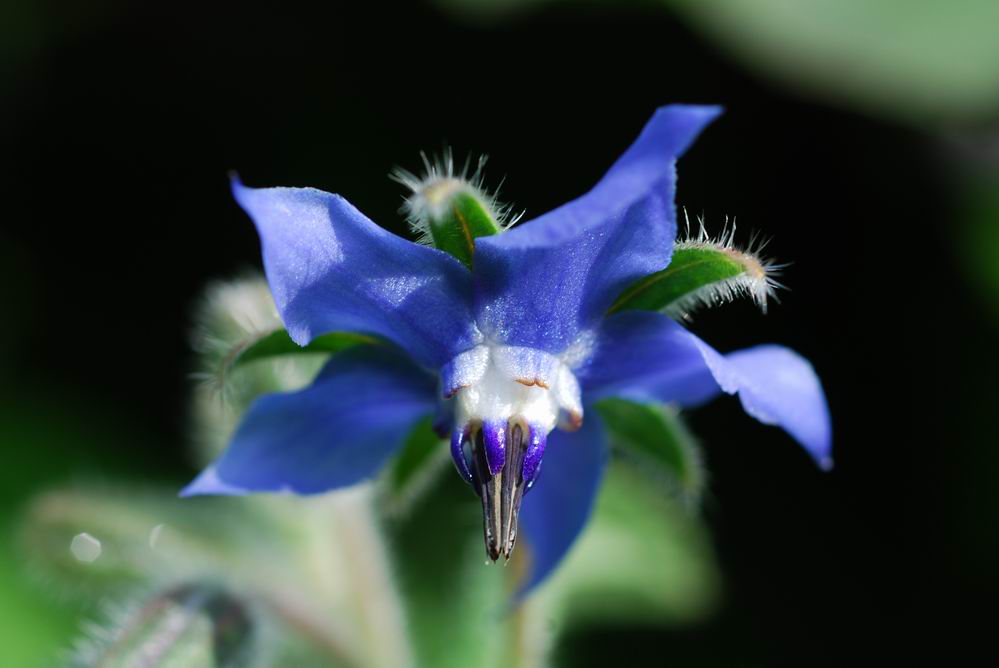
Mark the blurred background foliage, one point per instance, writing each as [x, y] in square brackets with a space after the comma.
[862, 135]
[917, 61]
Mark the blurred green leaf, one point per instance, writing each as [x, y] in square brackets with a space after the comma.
[416, 466]
[654, 436]
[35, 626]
[454, 602]
[979, 238]
[919, 61]
[641, 559]
[36, 614]
[139, 536]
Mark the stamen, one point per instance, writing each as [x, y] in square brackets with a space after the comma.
[502, 424]
[513, 489]
[501, 492]
[532, 458]
[494, 438]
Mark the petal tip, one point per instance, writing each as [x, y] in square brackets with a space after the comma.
[683, 123]
[236, 186]
[707, 111]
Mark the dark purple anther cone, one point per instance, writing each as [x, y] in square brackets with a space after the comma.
[501, 492]
[535, 451]
[494, 439]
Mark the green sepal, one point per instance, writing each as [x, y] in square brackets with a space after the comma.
[465, 217]
[654, 436]
[695, 275]
[278, 342]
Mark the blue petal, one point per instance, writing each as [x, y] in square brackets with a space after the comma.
[555, 511]
[648, 357]
[543, 282]
[330, 268]
[336, 432]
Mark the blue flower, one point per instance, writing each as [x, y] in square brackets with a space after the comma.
[508, 355]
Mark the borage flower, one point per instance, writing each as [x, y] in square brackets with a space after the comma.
[507, 339]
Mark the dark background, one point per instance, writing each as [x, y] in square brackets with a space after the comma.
[119, 124]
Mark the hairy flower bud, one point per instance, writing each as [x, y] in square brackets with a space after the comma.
[191, 625]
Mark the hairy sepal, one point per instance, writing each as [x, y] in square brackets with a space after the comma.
[278, 342]
[704, 273]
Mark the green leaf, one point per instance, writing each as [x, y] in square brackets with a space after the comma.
[642, 558]
[654, 436]
[701, 273]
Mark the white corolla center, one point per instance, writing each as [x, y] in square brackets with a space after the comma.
[496, 383]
